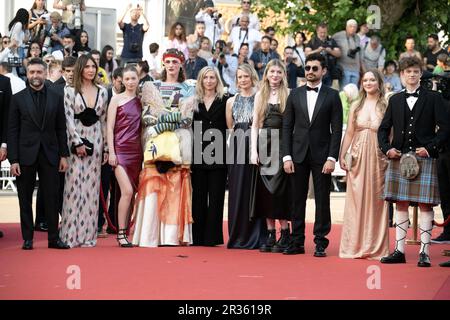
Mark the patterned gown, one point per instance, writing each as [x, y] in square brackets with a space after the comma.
[82, 182]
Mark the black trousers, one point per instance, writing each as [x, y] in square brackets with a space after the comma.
[49, 180]
[108, 181]
[40, 211]
[443, 169]
[208, 196]
[300, 182]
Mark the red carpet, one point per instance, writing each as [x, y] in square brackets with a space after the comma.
[110, 272]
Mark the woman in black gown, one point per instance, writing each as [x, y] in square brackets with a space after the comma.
[272, 188]
[246, 231]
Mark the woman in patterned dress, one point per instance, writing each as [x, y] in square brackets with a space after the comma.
[85, 107]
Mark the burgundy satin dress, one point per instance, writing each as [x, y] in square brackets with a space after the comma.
[127, 139]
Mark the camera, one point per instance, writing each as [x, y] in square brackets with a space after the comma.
[442, 82]
[352, 52]
[134, 48]
[216, 16]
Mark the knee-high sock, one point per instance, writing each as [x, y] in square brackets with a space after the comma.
[426, 225]
[401, 229]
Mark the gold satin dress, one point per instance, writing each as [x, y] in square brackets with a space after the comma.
[365, 228]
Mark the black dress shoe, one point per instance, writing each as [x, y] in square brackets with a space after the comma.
[320, 252]
[1, 234]
[57, 244]
[41, 226]
[27, 245]
[424, 260]
[445, 264]
[294, 249]
[394, 257]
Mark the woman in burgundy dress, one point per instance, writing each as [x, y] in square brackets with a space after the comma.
[125, 151]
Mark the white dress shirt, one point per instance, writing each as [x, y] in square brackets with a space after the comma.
[311, 100]
[411, 101]
[238, 36]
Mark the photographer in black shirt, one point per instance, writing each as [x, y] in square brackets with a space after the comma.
[326, 46]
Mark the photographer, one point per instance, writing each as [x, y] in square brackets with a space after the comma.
[212, 19]
[243, 34]
[67, 50]
[227, 65]
[326, 46]
[262, 57]
[350, 60]
[133, 35]
[54, 34]
[72, 13]
[293, 70]
[254, 20]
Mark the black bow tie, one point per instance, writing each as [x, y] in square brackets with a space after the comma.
[414, 94]
[316, 89]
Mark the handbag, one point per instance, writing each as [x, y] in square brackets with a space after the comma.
[348, 161]
[87, 144]
[409, 166]
[163, 147]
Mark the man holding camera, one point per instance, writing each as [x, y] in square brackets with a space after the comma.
[292, 69]
[262, 56]
[133, 35]
[211, 17]
[350, 60]
[227, 65]
[326, 46]
[67, 50]
[243, 34]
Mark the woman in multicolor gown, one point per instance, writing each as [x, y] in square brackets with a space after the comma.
[164, 210]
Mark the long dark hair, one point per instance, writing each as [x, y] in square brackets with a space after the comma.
[104, 60]
[78, 71]
[22, 16]
[172, 32]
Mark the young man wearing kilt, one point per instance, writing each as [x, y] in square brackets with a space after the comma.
[420, 126]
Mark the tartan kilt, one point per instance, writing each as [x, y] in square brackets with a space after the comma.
[422, 189]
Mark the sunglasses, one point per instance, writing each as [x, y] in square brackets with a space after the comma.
[5, 42]
[314, 68]
[246, 2]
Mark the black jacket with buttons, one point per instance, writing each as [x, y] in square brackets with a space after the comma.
[430, 126]
[204, 123]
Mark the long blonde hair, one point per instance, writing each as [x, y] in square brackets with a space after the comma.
[199, 88]
[381, 101]
[264, 90]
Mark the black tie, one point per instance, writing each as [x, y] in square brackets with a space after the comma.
[414, 94]
[39, 105]
[308, 88]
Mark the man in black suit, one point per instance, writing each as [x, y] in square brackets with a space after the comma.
[37, 142]
[412, 116]
[312, 130]
[5, 98]
[68, 67]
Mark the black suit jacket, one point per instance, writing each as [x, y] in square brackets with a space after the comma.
[429, 113]
[26, 135]
[322, 135]
[214, 118]
[5, 98]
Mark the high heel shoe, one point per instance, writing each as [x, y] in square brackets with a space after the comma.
[123, 240]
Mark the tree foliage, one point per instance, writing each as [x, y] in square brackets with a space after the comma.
[399, 18]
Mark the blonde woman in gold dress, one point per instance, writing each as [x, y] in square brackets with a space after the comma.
[365, 227]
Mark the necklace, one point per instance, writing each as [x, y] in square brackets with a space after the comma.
[273, 90]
